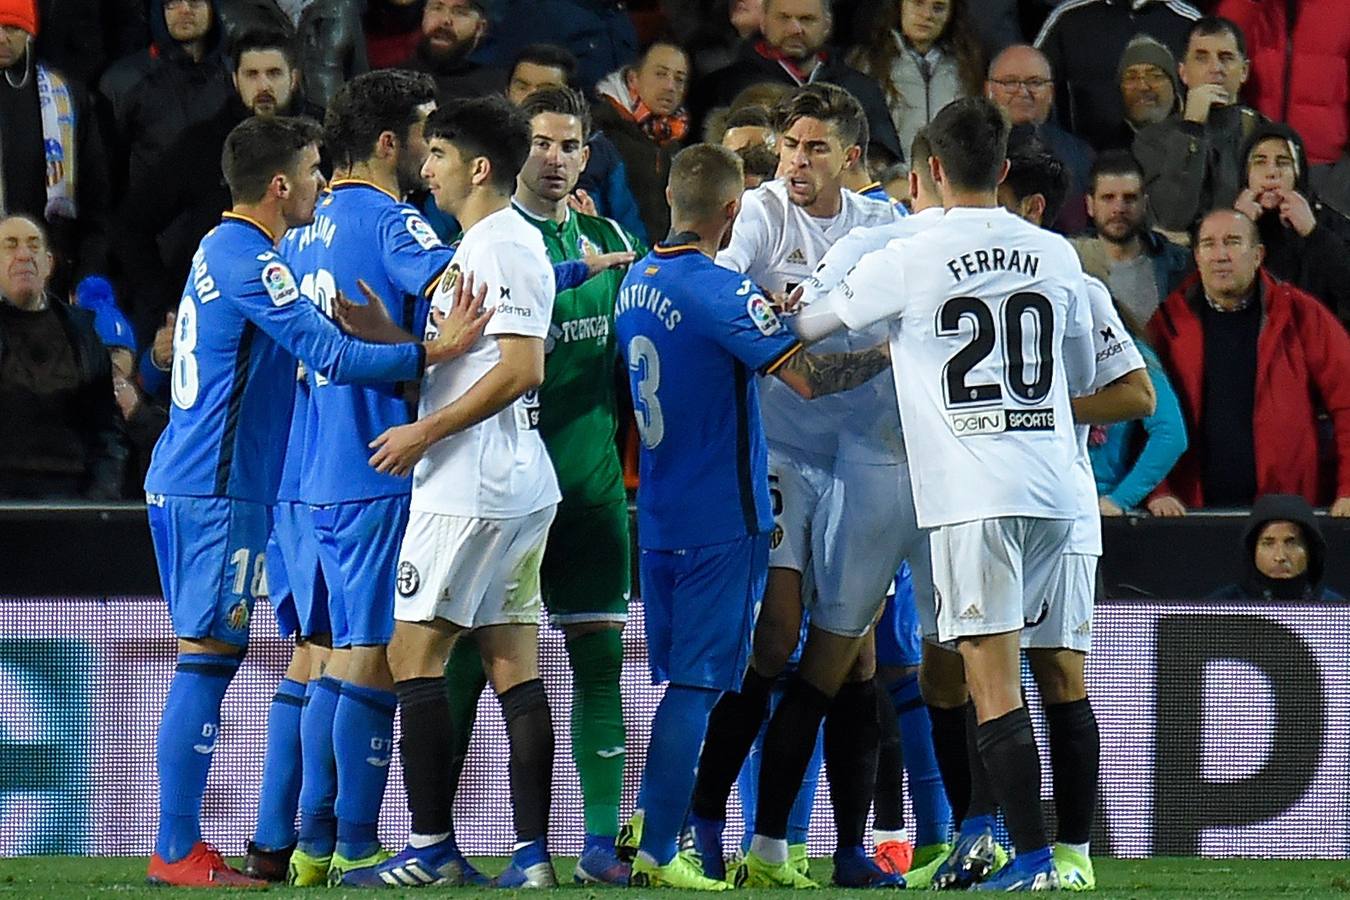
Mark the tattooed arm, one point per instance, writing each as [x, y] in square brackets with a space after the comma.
[815, 375]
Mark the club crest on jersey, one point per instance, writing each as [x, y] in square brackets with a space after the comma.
[762, 314]
[421, 232]
[238, 617]
[279, 283]
[409, 579]
[585, 247]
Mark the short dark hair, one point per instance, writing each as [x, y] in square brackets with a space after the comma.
[1034, 169]
[920, 149]
[759, 160]
[1114, 162]
[548, 55]
[489, 127]
[369, 105]
[970, 138]
[662, 41]
[561, 100]
[753, 116]
[830, 104]
[701, 177]
[1207, 26]
[262, 39]
[261, 147]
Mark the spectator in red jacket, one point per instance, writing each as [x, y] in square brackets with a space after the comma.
[1252, 359]
[1300, 56]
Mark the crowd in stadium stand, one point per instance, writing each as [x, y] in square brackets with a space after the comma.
[113, 115]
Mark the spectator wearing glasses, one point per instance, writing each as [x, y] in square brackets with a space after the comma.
[1193, 162]
[1084, 39]
[1150, 90]
[1021, 82]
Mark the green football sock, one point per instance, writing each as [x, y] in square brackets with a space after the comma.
[464, 681]
[597, 726]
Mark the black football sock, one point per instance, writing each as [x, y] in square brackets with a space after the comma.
[983, 797]
[1008, 746]
[529, 727]
[889, 797]
[953, 756]
[732, 727]
[427, 749]
[851, 738]
[789, 742]
[1075, 754]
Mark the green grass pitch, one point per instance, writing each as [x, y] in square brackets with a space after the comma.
[122, 878]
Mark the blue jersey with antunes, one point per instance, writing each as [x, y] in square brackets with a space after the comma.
[361, 231]
[694, 335]
[238, 333]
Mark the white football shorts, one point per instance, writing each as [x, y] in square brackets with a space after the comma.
[1068, 622]
[472, 572]
[992, 576]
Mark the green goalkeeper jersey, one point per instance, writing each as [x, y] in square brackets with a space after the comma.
[577, 413]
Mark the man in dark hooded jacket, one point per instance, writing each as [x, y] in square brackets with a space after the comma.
[1307, 242]
[1284, 553]
[158, 93]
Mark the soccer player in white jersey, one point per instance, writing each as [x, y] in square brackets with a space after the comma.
[784, 228]
[1057, 646]
[990, 337]
[484, 495]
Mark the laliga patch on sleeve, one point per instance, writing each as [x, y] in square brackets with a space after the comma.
[279, 283]
[762, 314]
[421, 232]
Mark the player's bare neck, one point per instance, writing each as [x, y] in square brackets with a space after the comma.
[481, 203]
[383, 177]
[970, 199]
[709, 236]
[554, 211]
[827, 205]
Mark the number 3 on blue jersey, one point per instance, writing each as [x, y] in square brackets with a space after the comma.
[646, 362]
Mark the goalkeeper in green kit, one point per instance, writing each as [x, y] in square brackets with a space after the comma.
[586, 564]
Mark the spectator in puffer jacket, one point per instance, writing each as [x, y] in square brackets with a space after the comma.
[1192, 163]
[1307, 243]
[924, 56]
[157, 94]
[1300, 53]
[1084, 40]
[1284, 553]
[329, 38]
[1252, 359]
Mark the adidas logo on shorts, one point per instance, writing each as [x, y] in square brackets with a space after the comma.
[972, 612]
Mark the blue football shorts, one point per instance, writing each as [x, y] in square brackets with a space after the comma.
[212, 561]
[899, 635]
[294, 579]
[358, 545]
[699, 609]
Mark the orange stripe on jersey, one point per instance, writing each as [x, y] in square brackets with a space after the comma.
[230, 214]
[342, 182]
[778, 363]
[674, 248]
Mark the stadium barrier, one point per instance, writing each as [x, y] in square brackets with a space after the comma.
[1225, 727]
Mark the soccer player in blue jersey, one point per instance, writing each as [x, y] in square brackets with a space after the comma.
[362, 230]
[215, 471]
[694, 336]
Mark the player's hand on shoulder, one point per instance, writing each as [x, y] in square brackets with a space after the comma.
[1166, 507]
[399, 448]
[599, 262]
[462, 325]
[582, 202]
[369, 321]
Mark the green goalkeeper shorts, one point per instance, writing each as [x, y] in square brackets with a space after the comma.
[587, 565]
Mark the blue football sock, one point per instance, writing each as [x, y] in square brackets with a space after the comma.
[678, 728]
[281, 769]
[363, 742]
[932, 812]
[187, 740]
[318, 791]
[799, 819]
[601, 841]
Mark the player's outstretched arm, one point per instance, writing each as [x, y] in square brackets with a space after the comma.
[1129, 397]
[814, 375]
[369, 321]
[520, 369]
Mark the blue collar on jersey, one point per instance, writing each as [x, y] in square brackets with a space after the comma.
[231, 215]
[339, 183]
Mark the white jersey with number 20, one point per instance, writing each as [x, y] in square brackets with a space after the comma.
[980, 305]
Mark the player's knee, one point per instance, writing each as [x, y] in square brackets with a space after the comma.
[510, 655]
[942, 678]
[1059, 675]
